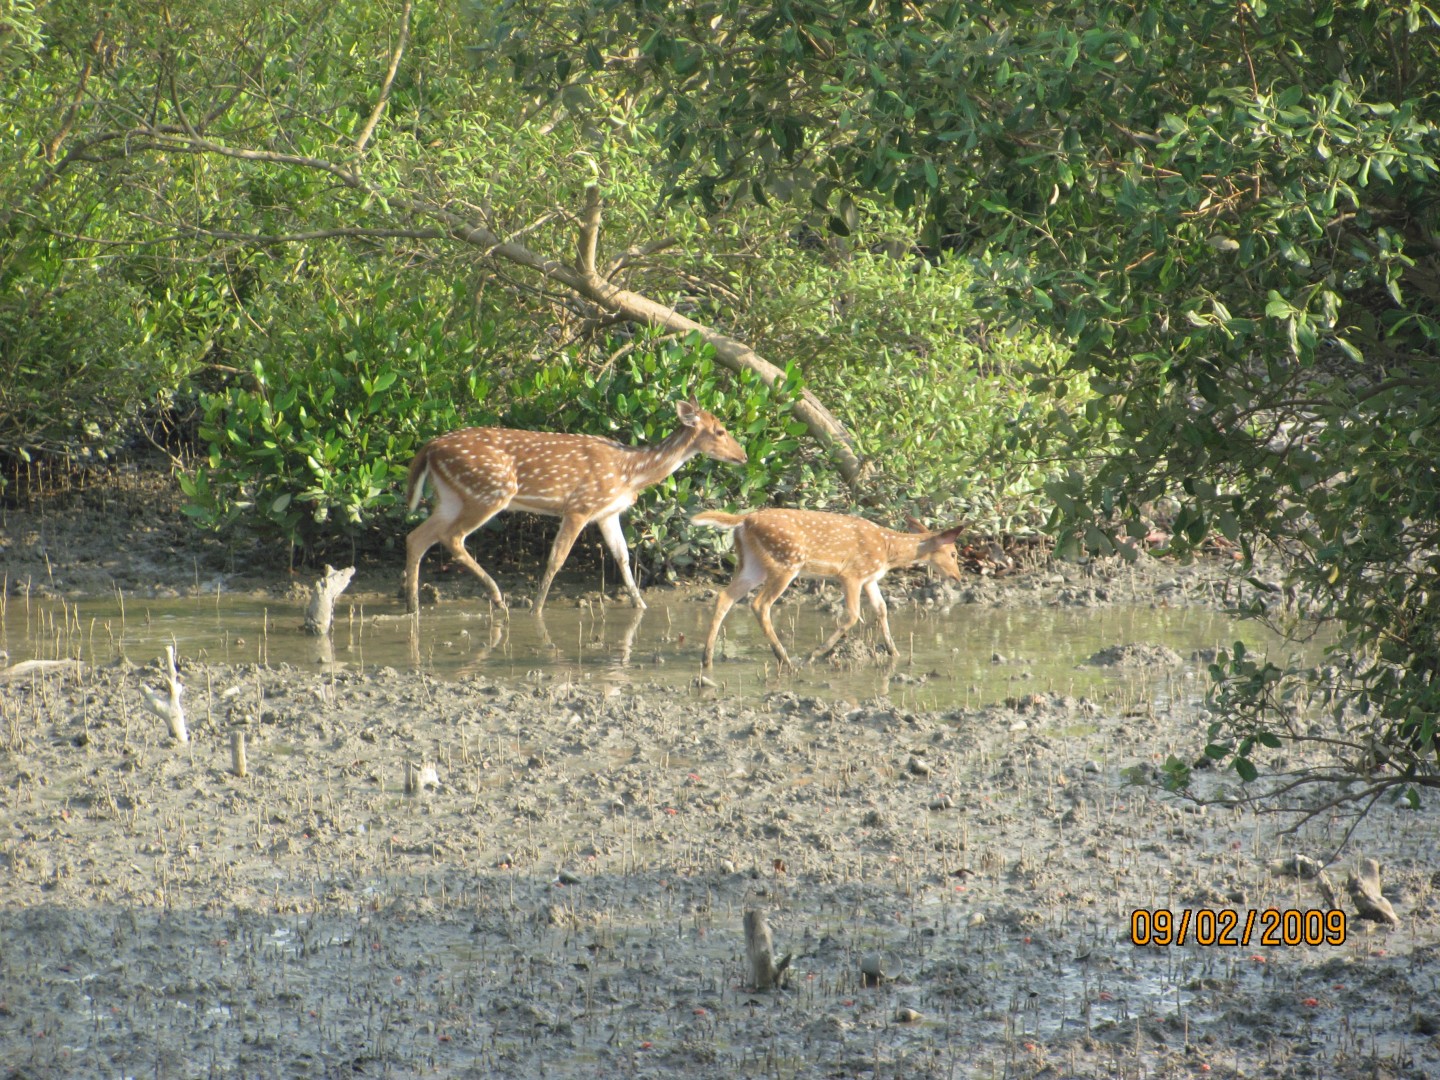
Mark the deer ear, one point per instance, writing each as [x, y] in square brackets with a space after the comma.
[688, 412]
[916, 525]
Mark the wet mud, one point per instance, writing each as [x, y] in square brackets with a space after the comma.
[518, 869]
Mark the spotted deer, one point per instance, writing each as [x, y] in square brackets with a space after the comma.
[774, 547]
[478, 472]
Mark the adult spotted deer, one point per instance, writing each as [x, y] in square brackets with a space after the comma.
[478, 472]
[774, 547]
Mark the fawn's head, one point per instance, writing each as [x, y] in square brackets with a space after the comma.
[938, 548]
[710, 436]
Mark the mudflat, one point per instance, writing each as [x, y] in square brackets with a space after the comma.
[500, 876]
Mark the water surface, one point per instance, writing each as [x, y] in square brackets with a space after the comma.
[960, 656]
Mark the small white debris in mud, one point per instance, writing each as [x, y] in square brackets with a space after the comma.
[872, 970]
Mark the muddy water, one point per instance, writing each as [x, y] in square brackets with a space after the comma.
[957, 656]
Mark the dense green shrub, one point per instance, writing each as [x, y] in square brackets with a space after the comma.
[317, 449]
[315, 444]
[94, 347]
[932, 390]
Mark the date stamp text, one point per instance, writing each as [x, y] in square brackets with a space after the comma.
[1225, 926]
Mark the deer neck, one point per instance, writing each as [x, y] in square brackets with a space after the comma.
[903, 549]
[651, 464]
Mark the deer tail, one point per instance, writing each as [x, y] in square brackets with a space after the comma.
[415, 482]
[719, 519]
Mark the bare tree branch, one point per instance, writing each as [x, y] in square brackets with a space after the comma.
[589, 234]
[631, 256]
[352, 232]
[67, 122]
[369, 128]
[581, 279]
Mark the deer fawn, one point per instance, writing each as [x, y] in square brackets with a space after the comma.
[773, 547]
[478, 472]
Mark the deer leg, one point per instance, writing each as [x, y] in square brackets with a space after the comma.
[877, 601]
[746, 578]
[456, 544]
[420, 540]
[614, 537]
[775, 583]
[448, 524]
[570, 526]
[849, 619]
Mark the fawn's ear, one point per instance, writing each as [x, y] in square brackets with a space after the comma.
[936, 541]
[916, 525]
[688, 412]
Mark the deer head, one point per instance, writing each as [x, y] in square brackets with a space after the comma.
[938, 548]
[709, 434]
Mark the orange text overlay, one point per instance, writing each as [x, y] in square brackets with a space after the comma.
[1224, 926]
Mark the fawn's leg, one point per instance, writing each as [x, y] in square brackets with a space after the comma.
[877, 601]
[849, 619]
[570, 526]
[747, 576]
[777, 580]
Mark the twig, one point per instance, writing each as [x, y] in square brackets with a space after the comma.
[67, 123]
[369, 128]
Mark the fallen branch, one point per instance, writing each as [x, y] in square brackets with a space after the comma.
[581, 276]
[37, 667]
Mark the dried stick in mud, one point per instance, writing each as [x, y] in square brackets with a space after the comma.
[1364, 889]
[30, 668]
[419, 776]
[169, 708]
[321, 613]
[765, 973]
